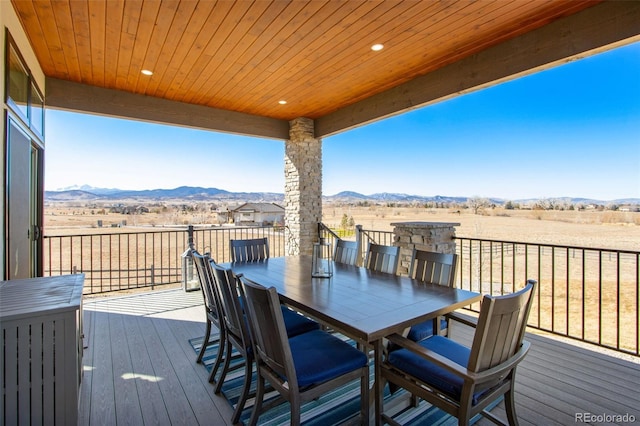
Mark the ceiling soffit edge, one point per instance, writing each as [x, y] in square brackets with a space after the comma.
[599, 28]
[82, 98]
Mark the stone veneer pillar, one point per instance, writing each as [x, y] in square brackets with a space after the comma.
[303, 187]
[431, 236]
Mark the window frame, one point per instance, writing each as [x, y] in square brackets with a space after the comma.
[35, 97]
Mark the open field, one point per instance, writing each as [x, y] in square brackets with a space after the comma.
[573, 296]
[605, 229]
[588, 228]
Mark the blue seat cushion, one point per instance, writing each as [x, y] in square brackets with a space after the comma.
[432, 374]
[296, 323]
[293, 321]
[318, 357]
[423, 330]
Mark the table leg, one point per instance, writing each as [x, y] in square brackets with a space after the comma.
[378, 383]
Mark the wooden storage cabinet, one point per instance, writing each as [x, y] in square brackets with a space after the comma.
[42, 344]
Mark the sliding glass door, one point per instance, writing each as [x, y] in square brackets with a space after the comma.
[23, 166]
[22, 201]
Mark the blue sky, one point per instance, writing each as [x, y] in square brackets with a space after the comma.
[571, 131]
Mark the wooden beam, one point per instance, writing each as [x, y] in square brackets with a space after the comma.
[70, 96]
[596, 29]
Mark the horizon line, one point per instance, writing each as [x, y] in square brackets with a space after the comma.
[531, 198]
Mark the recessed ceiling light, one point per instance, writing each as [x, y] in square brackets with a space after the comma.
[147, 72]
[283, 102]
[377, 47]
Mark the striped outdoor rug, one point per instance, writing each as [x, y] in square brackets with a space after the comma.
[334, 408]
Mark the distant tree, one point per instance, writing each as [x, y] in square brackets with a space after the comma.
[508, 205]
[544, 204]
[344, 223]
[613, 207]
[477, 203]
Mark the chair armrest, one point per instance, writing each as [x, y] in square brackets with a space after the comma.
[464, 319]
[499, 371]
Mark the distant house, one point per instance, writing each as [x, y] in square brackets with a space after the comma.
[258, 214]
[128, 209]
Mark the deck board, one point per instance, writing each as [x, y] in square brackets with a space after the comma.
[102, 391]
[150, 398]
[199, 401]
[139, 354]
[140, 366]
[125, 389]
[174, 397]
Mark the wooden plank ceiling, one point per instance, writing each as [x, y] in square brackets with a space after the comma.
[247, 56]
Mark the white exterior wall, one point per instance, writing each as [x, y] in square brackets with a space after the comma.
[9, 21]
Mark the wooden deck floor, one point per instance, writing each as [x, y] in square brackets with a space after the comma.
[140, 369]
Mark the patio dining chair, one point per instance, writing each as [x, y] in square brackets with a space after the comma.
[238, 336]
[464, 381]
[250, 250]
[237, 331]
[381, 258]
[433, 268]
[300, 368]
[212, 306]
[346, 252]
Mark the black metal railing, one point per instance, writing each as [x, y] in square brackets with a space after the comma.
[327, 234]
[587, 294]
[117, 261]
[130, 260]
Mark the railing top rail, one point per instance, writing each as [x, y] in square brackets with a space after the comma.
[155, 231]
[322, 227]
[161, 231]
[549, 245]
[366, 232]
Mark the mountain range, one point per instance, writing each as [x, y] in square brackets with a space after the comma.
[189, 193]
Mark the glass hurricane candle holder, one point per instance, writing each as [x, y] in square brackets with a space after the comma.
[322, 265]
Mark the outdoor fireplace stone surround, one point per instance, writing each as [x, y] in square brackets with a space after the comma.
[431, 236]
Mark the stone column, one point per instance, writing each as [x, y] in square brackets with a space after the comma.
[303, 187]
[431, 236]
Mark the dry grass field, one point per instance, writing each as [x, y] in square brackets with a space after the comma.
[587, 228]
[606, 229]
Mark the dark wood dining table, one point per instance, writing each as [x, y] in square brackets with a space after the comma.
[364, 305]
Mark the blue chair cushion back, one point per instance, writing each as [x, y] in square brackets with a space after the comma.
[293, 321]
[318, 356]
[296, 323]
[423, 330]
